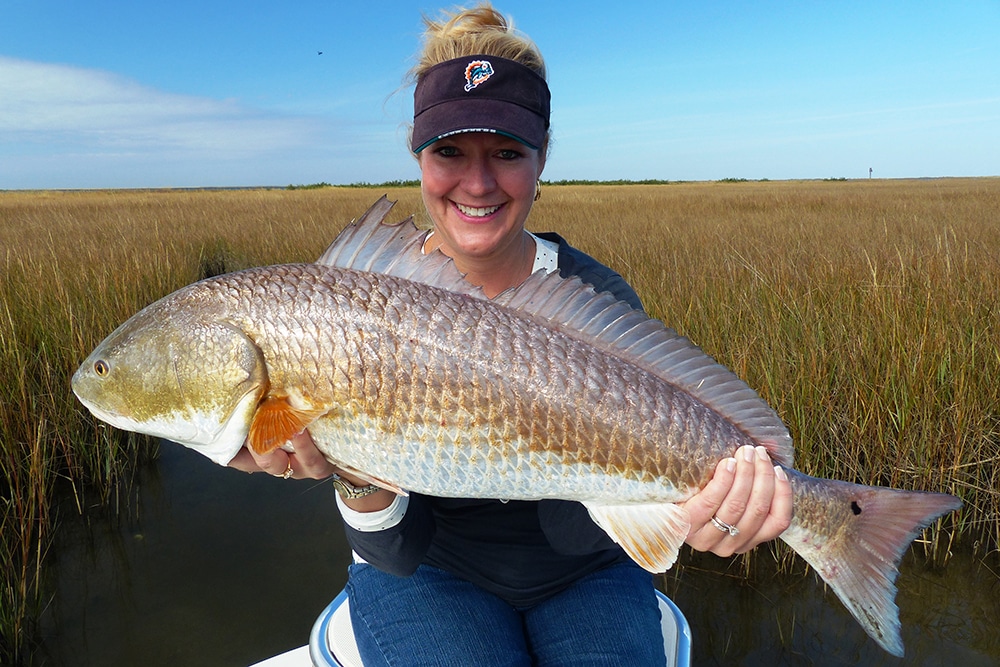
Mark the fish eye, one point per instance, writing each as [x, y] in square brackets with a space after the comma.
[102, 368]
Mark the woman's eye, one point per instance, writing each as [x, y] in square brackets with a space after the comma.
[509, 154]
[447, 151]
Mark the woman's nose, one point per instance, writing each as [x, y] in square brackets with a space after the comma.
[479, 177]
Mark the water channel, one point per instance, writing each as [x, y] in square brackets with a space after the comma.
[218, 568]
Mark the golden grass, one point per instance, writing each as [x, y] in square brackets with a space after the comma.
[864, 311]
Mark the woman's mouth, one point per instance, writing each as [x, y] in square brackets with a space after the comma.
[476, 211]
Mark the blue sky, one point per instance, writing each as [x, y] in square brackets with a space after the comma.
[110, 93]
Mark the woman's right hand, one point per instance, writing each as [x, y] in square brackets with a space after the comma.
[307, 462]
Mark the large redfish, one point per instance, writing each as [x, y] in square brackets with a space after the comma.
[406, 375]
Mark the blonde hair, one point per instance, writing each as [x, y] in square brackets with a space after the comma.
[481, 30]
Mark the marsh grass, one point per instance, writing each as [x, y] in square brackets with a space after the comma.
[864, 311]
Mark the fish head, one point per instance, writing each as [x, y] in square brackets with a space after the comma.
[171, 374]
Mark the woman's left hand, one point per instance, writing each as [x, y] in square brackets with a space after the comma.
[306, 462]
[747, 492]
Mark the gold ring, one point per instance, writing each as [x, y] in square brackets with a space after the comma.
[288, 472]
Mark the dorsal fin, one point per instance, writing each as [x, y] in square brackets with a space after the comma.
[618, 329]
[600, 319]
[395, 249]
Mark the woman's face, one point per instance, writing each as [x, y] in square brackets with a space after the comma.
[478, 188]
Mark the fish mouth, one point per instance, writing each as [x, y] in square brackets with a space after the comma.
[477, 211]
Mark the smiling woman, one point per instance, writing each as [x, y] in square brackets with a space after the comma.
[498, 580]
[480, 133]
[479, 189]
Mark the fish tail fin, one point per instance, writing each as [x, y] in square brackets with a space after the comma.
[855, 537]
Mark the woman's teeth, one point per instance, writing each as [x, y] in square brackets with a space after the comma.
[477, 212]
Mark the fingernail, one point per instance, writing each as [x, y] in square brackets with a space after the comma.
[779, 472]
[748, 453]
[731, 465]
[762, 453]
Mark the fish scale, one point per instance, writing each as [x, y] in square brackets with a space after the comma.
[502, 414]
[408, 376]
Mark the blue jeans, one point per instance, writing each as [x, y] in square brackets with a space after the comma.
[609, 618]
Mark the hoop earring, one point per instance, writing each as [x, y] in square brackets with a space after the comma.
[538, 190]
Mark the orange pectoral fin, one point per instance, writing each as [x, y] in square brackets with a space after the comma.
[275, 422]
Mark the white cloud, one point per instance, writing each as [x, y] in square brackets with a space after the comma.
[70, 127]
[58, 104]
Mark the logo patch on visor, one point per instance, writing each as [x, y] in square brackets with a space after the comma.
[476, 73]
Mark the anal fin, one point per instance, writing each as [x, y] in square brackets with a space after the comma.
[651, 534]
